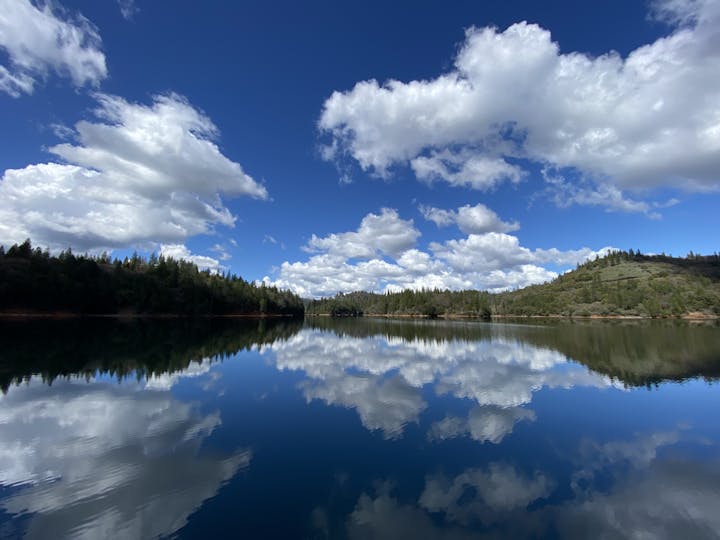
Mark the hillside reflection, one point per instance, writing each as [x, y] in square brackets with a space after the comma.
[94, 442]
[636, 353]
[132, 348]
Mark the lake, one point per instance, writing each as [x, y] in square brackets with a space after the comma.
[359, 429]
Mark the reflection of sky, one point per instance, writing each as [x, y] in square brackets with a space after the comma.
[649, 495]
[95, 459]
[382, 377]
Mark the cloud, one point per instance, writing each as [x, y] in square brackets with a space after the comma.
[41, 38]
[137, 175]
[389, 260]
[465, 169]
[648, 120]
[564, 194]
[383, 234]
[180, 252]
[221, 251]
[476, 219]
[127, 8]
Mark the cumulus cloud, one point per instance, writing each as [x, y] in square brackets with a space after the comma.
[651, 119]
[383, 234]
[476, 219]
[389, 260]
[38, 39]
[465, 169]
[137, 174]
[181, 252]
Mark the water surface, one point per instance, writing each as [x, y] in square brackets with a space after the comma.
[359, 429]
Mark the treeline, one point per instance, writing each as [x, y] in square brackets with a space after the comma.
[134, 348]
[33, 280]
[622, 283]
[423, 303]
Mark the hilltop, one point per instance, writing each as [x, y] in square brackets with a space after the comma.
[621, 284]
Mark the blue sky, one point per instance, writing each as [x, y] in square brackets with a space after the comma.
[328, 146]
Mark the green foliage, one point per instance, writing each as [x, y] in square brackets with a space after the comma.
[33, 280]
[423, 303]
[619, 284]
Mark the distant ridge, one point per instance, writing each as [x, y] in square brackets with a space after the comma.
[620, 284]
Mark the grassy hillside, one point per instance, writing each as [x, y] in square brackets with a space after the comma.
[624, 283]
[620, 284]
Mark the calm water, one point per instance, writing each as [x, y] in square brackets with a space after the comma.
[359, 429]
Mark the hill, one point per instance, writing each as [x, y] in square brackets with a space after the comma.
[621, 284]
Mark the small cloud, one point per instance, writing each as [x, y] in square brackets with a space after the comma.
[222, 253]
[62, 131]
[181, 252]
[478, 219]
[565, 194]
[128, 9]
[269, 239]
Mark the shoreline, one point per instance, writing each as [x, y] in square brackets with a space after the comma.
[64, 315]
[685, 317]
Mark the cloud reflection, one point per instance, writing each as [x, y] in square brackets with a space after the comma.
[97, 458]
[649, 486]
[383, 378]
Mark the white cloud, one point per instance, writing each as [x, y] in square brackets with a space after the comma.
[650, 119]
[137, 175]
[564, 193]
[476, 219]
[493, 261]
[383, 234]
[180, 252]
[221, 251]
[127, 8]
[42, 38]
[465, 169]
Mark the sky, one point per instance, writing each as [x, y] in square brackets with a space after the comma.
[328, 146]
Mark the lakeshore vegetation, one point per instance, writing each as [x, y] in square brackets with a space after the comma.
[621, 284]
[33, 281]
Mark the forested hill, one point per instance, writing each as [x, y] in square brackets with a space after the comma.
[619, 284]
[31, 280]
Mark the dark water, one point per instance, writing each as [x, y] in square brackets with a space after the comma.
[359, 429]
